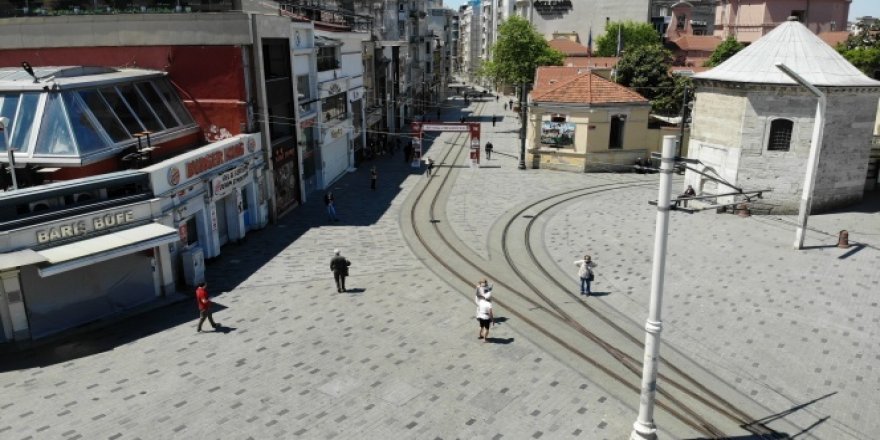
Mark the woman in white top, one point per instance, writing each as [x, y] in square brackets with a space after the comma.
[585, 273]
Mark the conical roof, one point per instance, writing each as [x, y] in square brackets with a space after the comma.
[792, 44]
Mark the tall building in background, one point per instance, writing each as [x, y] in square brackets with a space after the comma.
[749, 20]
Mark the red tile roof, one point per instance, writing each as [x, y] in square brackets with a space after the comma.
[569, 48]
[702, 43]
[579, 86]
[592, 62]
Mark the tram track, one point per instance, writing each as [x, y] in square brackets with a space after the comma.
[563, 328]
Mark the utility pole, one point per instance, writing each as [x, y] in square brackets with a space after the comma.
[684, 109]
[644, 427]
[813, 160]
[522, 131]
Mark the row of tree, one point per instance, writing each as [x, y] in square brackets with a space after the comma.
[644, 64]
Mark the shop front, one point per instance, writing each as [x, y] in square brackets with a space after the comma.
[61, 274]
[214, 195]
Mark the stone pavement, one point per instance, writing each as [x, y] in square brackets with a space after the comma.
[398, 356]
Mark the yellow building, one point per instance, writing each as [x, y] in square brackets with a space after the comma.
[579, 121]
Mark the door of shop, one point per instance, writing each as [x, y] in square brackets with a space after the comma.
[72, 298]
[335, 157]
[222, 224]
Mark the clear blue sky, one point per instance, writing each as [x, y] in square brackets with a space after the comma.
[858, 8]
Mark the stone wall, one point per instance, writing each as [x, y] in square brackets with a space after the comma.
[731, 131]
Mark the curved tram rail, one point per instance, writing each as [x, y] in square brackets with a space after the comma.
[671, 404]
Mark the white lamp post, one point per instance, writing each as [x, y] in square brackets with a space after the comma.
[813, 161]
[644, 428]
[4, 124]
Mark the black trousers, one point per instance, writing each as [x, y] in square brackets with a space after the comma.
[205, 314]
[340, 281]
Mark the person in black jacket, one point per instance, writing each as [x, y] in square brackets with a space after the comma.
[339, 265]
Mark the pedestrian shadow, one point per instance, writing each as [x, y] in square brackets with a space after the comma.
[355, 290]
[503, 341]
[600, 294]
[500, 319]
[224, 329]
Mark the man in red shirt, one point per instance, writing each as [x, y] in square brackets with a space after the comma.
[204, 302]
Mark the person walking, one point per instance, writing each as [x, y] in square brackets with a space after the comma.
[494, 119]
[585, 273]
[373, 176]
[484, 317]
[204, 302]
[489, 148]
[330, 203]
[339, 266]
[430, 167]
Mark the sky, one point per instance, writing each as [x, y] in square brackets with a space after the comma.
[858, 8]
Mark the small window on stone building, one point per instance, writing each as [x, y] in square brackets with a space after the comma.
[681, 21]
[780, 135]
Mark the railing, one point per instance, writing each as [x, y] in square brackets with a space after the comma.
[312, 10]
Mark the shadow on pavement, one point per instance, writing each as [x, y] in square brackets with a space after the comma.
[504, 341]
[237, 262]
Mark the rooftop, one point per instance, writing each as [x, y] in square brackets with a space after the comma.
[702, 43]
[792, 44]
[591, 62]
[569, 48]
[579, 86]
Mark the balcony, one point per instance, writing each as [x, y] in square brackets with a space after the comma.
[324, 17]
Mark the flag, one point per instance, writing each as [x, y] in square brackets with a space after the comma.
[590, 42]
[619, 39]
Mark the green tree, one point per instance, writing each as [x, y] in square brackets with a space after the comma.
[632, 35]
[646, 70]
[728, 48]
[863, 50]
[519, 50]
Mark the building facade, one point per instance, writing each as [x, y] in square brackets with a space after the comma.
[579, 121]
[749, 21]
[752, 124]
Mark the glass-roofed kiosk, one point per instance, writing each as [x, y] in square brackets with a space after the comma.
[67, 117]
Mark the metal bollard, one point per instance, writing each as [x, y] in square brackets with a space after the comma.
[742, 210]
[843, 239]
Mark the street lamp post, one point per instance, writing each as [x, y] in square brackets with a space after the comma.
[4, 127]
[813, 160]
[644, 427]
[522, 131]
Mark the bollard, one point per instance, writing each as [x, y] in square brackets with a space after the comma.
[742, 210]
[843, 239]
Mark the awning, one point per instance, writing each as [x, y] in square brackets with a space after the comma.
[106, 247]
[24, 257]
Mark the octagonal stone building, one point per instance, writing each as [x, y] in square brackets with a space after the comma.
[752, 123]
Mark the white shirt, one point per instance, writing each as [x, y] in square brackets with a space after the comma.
[483, 309]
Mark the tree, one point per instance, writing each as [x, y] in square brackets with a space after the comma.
[646, 69]
[632, 35]
[863, 51]
[728, 48]
[519, 50]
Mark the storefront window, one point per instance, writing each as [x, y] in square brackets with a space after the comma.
[21, 127]
[192, 231]
[121, 110]
[88, 138]
[140, 108]
[104, 115]
[55, 137]
[157, 103]
[327, 58]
